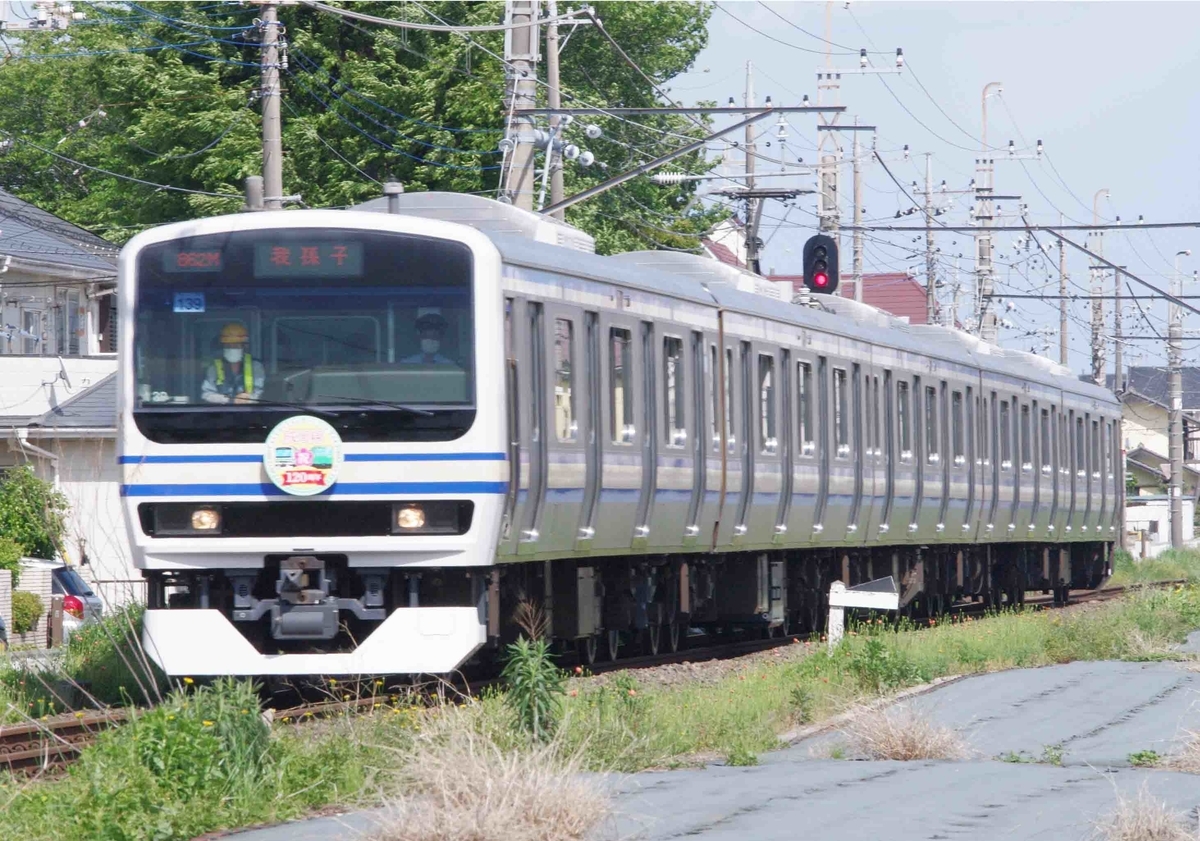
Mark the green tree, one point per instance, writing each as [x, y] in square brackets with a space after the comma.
[165, 92]
[32, 513]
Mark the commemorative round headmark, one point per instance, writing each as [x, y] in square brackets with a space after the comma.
[303, 456]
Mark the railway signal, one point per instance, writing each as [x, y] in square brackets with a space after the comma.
[821, 264]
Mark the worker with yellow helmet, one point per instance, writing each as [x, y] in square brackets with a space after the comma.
[233, 377]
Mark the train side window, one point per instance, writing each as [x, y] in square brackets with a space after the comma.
[565, 424]
[620, 378]
[841, 431]
[769, 442]
[675, 428]
[710, 383]
[1005, 436]
[904, 416]
[956, 429]
[729, 429]
[1080, 449]
[1026, 439]
[1046, 439]
[931, 425]
[875, 417]
[804, 387]
[1095, 462]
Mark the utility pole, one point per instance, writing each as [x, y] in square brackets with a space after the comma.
[272, 127]
[1175, 397]
[985, 314]
[858, 234]
[930, 260]
[554, 100]
[1062, 299]
[1097, 291]
[520, 55]
[753, 205]
[1118, 363]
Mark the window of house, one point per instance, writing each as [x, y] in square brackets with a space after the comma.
[675, 396]
[620, 378]
[804, 388]
[766, 403]
[31, 325]
[565, 425]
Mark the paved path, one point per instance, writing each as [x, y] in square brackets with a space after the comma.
[1097, 713]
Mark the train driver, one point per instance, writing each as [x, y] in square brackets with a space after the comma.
[233, 377]
[431, 328]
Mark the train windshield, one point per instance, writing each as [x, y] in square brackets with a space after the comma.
[372, 331]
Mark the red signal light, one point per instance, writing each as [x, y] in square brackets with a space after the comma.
[821, 280]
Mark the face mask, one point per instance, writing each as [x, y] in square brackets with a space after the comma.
[430, 346]
[233, 355]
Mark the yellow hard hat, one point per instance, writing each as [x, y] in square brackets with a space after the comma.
[234, 334]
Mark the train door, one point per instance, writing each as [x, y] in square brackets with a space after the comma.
[563, 448]
[516, 470]
[1055, 526]
[675, 489]
[763, 505]
[840, 466]
[1116, 476]
[648, 441]
[622, 393]
[956, 470]
[857, 454]
[997, 449]
[823, 445]
[785, 425]
[1086, 481]
[887, 515]
[907, 483]
[1044, 469]
[744, 404]
[1024, 493]
[873, 479]
[700, 431]
[1100, 490]
[970, 430]
[593, 427]
[806, 483]
[712, 445]
[733, 452]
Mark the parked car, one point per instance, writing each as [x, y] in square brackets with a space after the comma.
[80, 604]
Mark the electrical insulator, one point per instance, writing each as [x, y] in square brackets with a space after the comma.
[862, 57]
[899, 57]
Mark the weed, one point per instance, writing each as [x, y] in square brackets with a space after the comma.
[802, 704]
[1141, 818]
[1145, 759]
[1187, 758]
[902, 733]
[742, 757]
[535, 686]
[880, 667]
[1018, 757]
[1053, 754]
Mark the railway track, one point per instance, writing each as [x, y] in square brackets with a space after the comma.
[47, 745]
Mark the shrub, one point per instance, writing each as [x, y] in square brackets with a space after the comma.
[32, 513]
[27, 609]
[903, 734]
[10, 558]
[535, 686]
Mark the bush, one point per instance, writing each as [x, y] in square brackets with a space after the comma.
[107, 659]
[32, 513]
[535, 687]
[27, 609]
[10, 558]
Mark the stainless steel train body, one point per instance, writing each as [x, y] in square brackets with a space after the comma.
[650, 446]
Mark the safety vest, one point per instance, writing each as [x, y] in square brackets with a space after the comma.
[247, 373]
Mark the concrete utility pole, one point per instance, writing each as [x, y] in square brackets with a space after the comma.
[554, 100]
[985, 314]
[272, 127]
[858, 234]
[521, 55]
[1098, 342]
[1175, 397]
[1118, 340]
[1062, 299]
[930, 260]
[753, 205]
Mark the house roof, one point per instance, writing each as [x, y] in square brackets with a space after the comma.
[722, 252]
[893, 292]
[1151, 384]
[30, 232]
[93, 408]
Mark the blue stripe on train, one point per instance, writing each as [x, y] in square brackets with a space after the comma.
[339, 489]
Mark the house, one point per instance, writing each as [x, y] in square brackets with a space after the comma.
[1149, 473]
[896, 293]
[1144, 416]
[57, 311]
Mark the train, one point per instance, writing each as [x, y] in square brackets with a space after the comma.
[360, 442]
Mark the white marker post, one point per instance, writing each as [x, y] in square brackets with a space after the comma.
[880, 594]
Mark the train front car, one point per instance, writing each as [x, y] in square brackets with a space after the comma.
[312, 455]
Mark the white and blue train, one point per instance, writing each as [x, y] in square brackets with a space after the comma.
[353, 441]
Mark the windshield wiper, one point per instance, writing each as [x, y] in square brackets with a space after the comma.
[253, 401]
[357, 402]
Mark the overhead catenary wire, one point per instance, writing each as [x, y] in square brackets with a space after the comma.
[429, 27]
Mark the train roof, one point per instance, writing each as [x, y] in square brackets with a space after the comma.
[534, 241]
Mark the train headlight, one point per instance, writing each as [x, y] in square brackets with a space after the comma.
[206, 519]
[410, 517]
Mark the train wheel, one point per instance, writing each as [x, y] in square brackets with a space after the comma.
[613, 639]
[653, 639]
[588, 648]
[673, 635]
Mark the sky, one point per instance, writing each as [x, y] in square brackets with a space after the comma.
[1110, 88]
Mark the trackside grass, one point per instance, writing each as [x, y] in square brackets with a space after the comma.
[1171, 565]
[204, 759]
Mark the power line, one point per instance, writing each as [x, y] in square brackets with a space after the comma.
[429, 27]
